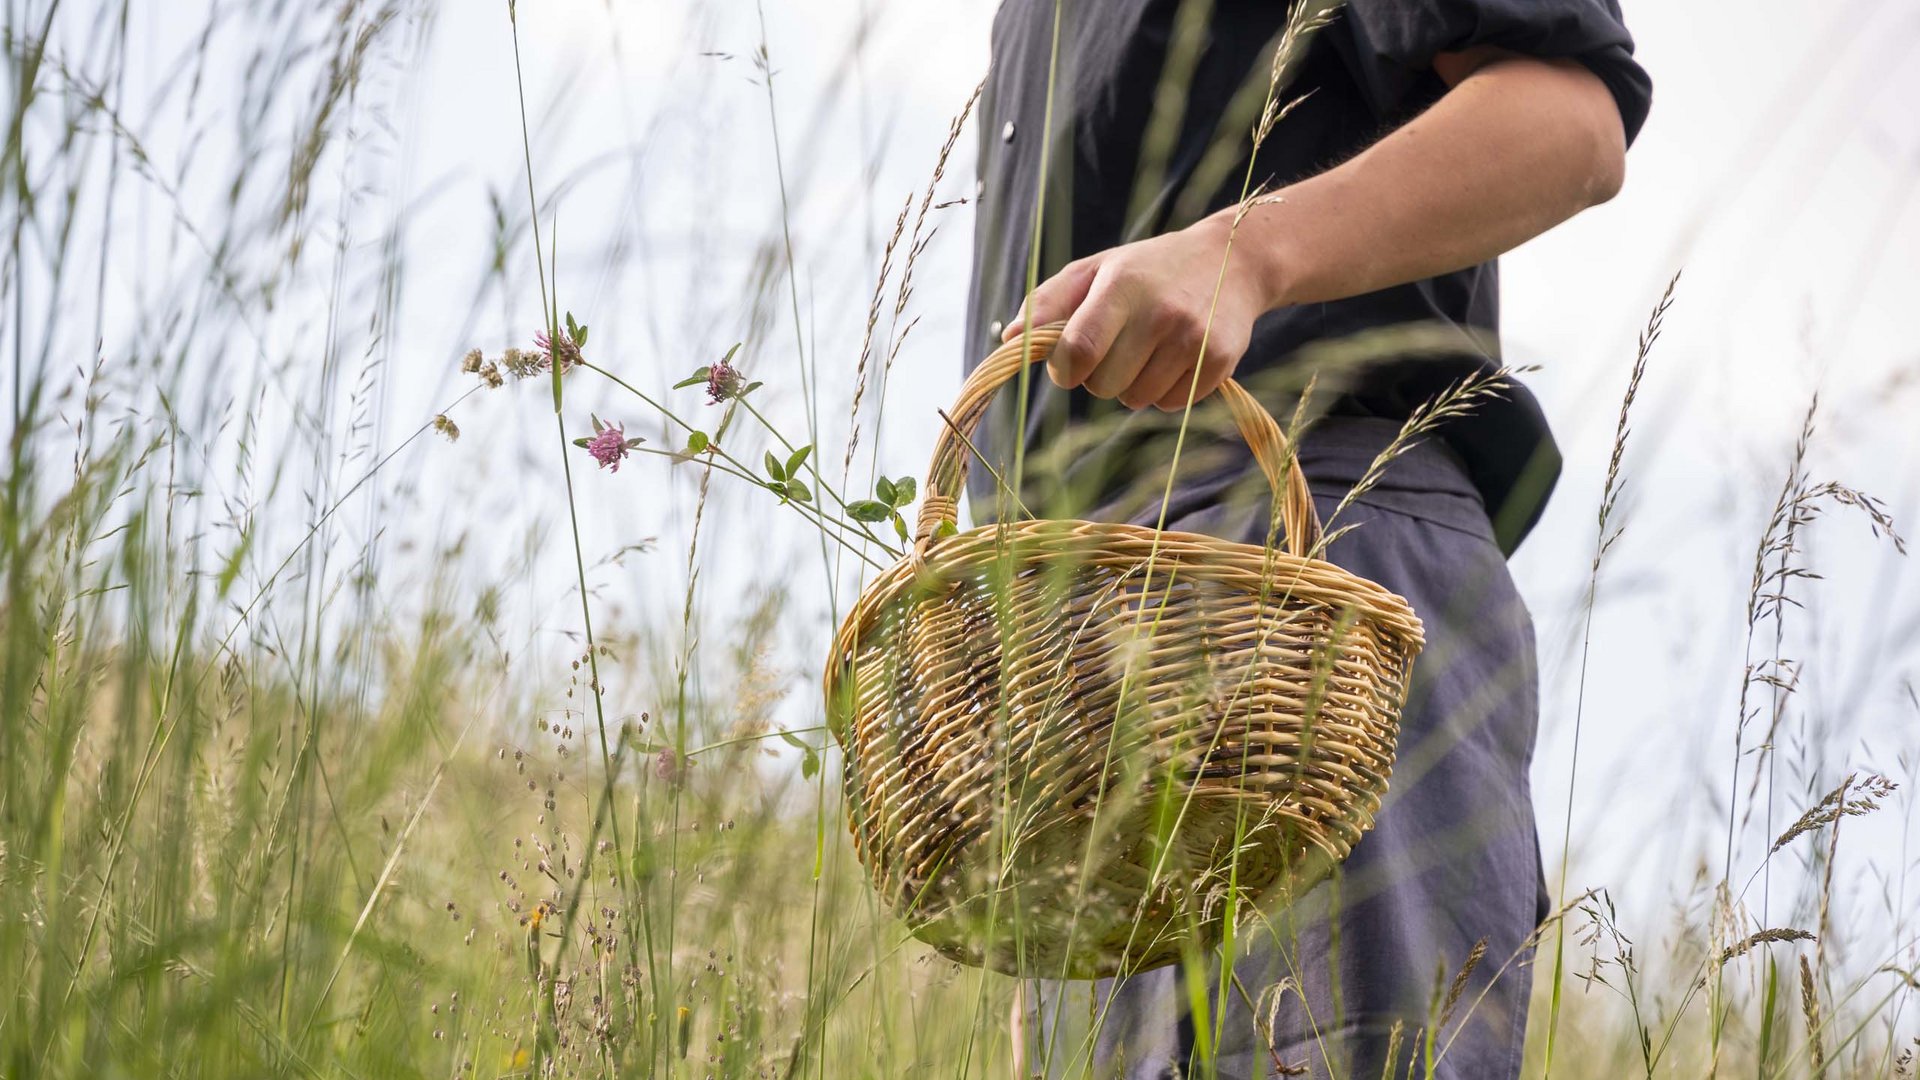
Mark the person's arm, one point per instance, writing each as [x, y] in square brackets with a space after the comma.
[1516, 146]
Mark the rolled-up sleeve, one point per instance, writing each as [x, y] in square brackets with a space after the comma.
[1391, 45]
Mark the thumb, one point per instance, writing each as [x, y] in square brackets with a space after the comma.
[1056, 299]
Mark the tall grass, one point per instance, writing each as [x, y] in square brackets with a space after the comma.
[296, 778]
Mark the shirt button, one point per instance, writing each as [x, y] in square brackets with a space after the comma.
[1006, 132]
[994, 328]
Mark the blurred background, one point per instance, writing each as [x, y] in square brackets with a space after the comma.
[264, 235]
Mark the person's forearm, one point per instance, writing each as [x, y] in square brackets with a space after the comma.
[1511, 151]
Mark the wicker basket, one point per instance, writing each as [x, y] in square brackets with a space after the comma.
[1072, 748]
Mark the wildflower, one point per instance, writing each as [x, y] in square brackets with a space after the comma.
[446, 427]
[669, 765]
[723, 382]
[490, 375]
[564, 349]
[608, 446]
[472, 361]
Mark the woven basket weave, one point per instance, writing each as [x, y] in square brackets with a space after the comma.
[1069, 743]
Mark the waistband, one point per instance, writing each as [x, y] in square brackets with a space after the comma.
[1217, 481]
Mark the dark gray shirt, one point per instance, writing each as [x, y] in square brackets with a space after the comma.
[1150, 135]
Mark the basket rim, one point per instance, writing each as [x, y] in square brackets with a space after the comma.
[1318, 579]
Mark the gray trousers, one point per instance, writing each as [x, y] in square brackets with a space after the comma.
[1452, 861]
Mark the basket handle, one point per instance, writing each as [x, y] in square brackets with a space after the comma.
[947, 473]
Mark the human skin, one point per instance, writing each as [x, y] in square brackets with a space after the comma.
[1515, 146]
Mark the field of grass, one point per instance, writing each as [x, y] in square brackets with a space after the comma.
[315, 762]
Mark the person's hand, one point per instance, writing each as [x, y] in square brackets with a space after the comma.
[1141, 316]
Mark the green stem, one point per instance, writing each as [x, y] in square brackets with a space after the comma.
[735, 469]
[740, 468]
[821, 485]
[754, 738]
[549, 300]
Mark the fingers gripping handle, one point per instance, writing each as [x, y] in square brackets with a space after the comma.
[947, 473]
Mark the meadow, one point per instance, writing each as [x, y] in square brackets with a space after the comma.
[360, 718]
